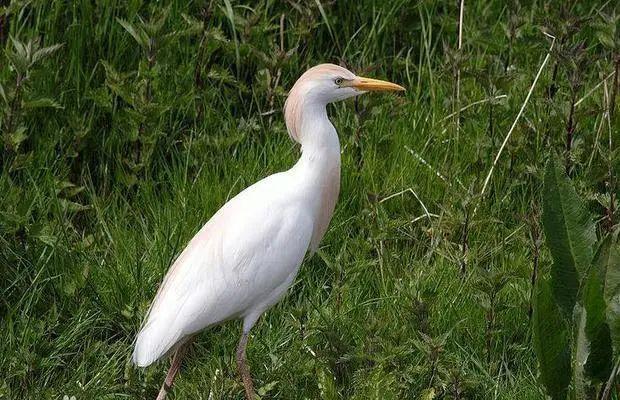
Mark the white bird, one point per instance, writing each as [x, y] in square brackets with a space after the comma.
[247, 255]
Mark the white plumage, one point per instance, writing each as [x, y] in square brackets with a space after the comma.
[238, 265]
[247, 255]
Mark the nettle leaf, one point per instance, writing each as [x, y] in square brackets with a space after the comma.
[72, 206]
[217, 35]
[570, 234]
[117, 83]
[606, 39]
[43, 102]
[221, 75]
[45, 52]
[17, 59]
[136, 32]
[25, 55]
[607, 262]
[21, 161]
[14, 7]
[15, 139]
[155, 25]
[551, 342]
[195, 25]
[101, 97]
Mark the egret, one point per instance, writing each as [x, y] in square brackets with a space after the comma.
[243, 260]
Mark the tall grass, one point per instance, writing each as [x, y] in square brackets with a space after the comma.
[148, 116]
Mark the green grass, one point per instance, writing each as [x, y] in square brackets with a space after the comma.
[112, 179]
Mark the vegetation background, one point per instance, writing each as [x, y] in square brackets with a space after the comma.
[126, 124]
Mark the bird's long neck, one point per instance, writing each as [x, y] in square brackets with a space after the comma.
[319, 165]
[318, 136]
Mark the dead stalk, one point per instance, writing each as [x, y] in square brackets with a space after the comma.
[514, 124]
[570, 131]
[475, 103]
[409, 190]
[536, 240]
[610, 180]
[598, 85]
[458, 70]
[610, 382]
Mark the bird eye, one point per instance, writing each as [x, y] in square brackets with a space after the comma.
[339, 81]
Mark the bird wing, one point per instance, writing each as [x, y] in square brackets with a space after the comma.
[248, 248]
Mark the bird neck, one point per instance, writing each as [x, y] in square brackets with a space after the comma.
[320, 146]
[318, 168]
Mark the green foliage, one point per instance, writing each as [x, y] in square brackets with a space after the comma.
[578, 283]
[570, 235]
[18, 98]
[599, 360]
[551, 342]
[607, 262]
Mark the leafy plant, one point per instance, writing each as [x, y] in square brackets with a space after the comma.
[23, 57]
[575, 308]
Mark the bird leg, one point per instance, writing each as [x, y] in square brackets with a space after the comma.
[244, 370]
[175, 366]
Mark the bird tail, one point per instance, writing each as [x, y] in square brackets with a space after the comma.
[151, 346]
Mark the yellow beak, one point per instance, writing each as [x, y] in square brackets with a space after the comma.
[375, 85]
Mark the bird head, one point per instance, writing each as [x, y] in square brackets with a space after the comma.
[324, 84]
[328, 83]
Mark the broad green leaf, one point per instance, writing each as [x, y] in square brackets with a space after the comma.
[570, 234]
[551, 342]
[599, 360]
[607, 262]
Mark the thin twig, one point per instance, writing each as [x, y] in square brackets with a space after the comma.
[416, 219]
[594, 88]
[461, 11]
[610, 381]
[430, 167]
[514, 124]
[611, 209]
[282, 17]
[409, 190]
[598, 135]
